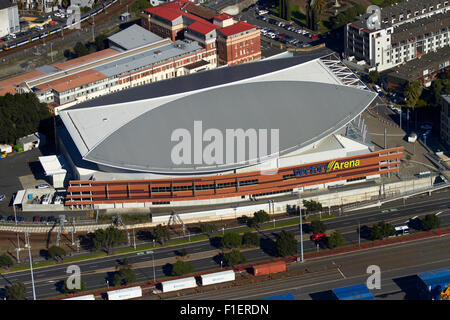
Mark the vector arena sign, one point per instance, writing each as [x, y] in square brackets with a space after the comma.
[326, 168]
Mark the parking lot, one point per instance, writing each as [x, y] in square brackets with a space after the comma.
[271, 28]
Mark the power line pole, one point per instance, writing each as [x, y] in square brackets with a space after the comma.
[93, 29]
[27, 244]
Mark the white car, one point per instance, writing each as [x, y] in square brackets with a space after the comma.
[2, 197]
[42, 186]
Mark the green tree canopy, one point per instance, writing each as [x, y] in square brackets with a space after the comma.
[180, 268]
[412, 93]
[21, 115]
[250, 239]
[80, 49]
[318, 226]
[286, 244]
[312, 206]
[107, 239]
[335, 240]
[259, 218]
[160, 234]
[6, 261]
[208, 228]
[231, 240]
[430, 222]
[124, 276]
[382, 230]
[56, 253]
[374, 76]
[234, 257]
[15, 291]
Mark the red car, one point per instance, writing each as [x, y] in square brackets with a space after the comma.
[318, 236]
[36, 218]
[314, 36]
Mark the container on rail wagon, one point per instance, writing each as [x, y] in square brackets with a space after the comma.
[124, 294]
[85, 297]
[267, 268]
[218, 277]
[179, 284]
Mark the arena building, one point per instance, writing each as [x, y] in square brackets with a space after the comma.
[179, 142]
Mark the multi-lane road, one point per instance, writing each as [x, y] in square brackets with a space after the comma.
[204, 255]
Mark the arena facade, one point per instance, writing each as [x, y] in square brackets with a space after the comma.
[260, 129]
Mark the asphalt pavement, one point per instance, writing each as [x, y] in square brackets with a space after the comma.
[95, 272]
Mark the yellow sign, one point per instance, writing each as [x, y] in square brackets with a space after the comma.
[338, 165]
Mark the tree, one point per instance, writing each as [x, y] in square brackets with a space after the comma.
[208, 228]
[66, 290]
[22, 114]
[80, 49]
[286, 244]
[312, 206]
[374, 76]
[108, 238]
[100, 42]
[15, 291]
[412, 93]
[56, 253]
[180, 268]
[318, 226]
[5, 261]
[430, 222]
[234, 257]
[250, 239]
[285, 9]
[231, 240]
[382, 230]
[124, 276]
[160, 234]
[259, 217]
[335, 240]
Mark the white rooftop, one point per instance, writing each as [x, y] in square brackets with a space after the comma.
[51, 165]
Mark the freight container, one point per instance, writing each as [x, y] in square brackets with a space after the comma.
[123, 294]
[356, 292]
[268, 268]
[432, 284]
[179, 284]
[287, 296]
[85, 297]
[218, 277]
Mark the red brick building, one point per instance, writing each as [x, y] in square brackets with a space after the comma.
[235, 42]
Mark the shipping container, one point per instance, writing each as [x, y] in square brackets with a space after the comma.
[287, 296]
[85, 297]
[218, 277]
[268, 268]
[124, 294]
[179, 284]
[356, 292]
[432, 284]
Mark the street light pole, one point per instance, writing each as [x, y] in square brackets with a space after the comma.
[359, 235]
[301, 231]
[153, 263]
[27, 239]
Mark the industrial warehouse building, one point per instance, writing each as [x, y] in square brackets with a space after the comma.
[157, 145]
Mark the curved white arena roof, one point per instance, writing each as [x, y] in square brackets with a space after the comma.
[304, 100]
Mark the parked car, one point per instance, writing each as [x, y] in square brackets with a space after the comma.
[42, 219]
[42, 186]
[426, 127]
[318, 236]
[2, 197]
[2, 218]
[10, 218]
[36, 218]
[20, 219]
[51, 219]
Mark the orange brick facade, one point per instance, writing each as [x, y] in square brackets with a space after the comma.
[240, 49]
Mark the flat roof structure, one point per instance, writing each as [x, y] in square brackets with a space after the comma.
[95, 56]
[51, 165]
[133, 37]
[303, 98]
[355, 292]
